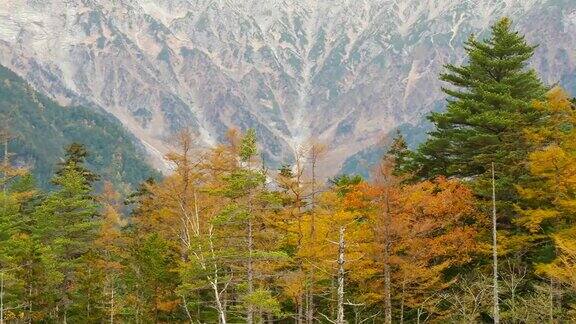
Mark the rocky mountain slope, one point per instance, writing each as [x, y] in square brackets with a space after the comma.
[343, 72]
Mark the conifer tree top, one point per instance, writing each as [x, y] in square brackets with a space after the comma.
[74, 160]
[489, 101]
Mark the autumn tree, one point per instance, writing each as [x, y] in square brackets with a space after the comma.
[548, 208]
[293, 190]
[111, 253]
[338, 249]
[168, 219]
[419, 232]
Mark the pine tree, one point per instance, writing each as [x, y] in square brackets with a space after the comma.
[401, 154]
[489, 103]
[16, 261]
[75, 157]
[12, 248]
[240, 188]
[248, 147]
[65, 223]
[151, 280]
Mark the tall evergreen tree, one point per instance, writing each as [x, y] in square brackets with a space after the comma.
[66, 224]
[75, 158]
[489, 103]
[13, 243]
[401, 154]
[248, 147]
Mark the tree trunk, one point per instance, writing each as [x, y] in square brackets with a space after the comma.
[387, 281]
[112, 305]
[300, 312]
[387, 284]
[2, 297]
[29, 320]
[89, 305]
[317, 151]
[5, 180]
[495, 251]
[250, 310]
[310, 291]
[341, 261]
[551, 301]
[310, 299]
[402, 301]
[219, 306]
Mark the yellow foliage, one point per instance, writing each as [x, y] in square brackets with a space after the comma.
[167, 305]
[426, 226]
[533, 218]
[552, 165]
[552, 193]
[563, 268]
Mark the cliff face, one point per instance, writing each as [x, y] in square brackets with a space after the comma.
[343, 72]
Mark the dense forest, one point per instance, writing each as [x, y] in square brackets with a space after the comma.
[478, 224]
[40, 129]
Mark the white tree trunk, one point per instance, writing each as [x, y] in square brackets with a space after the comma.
[2, 297]
[219, 306]
[250, 311]
[112, 305]
[5, 180]
[29, 320]
[300, 311]
[341, 261]
[387, 281]
[311, 276]
[495, 251]
[310, 298]
[214, 281]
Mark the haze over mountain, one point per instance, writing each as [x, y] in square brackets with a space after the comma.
[341, 72]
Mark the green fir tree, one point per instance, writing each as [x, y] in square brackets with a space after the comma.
[489, 104]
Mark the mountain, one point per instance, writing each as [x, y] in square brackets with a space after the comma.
[41, 129]
[343, 72]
